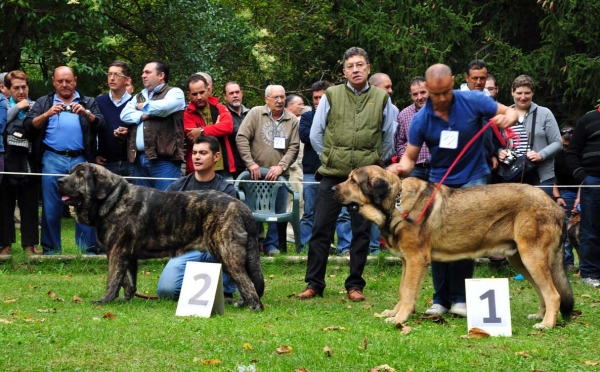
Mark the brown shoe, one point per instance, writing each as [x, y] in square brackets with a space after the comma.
[308, 293]
[33, 250]
[356, 295]
[5, 251]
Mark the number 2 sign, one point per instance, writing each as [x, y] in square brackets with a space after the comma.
[488, 306]
[201, 291]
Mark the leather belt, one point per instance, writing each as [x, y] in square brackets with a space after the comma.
[423, 165]
[68, 153]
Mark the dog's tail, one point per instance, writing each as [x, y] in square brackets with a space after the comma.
[560, 278]
[253, 266]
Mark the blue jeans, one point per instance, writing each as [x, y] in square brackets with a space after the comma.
[343, 226]
[589, 245]
[171, 279]
[120, 167]
[420, 172]
[569, 197]
[374, 241]
[449, 277]
[156, 168]
[52, 206]
[272, 239]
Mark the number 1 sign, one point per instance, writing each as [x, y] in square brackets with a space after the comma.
[201, 291]
[488, 306]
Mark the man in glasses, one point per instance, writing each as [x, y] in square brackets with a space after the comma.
[352, 127]
[492, 86]
[112, 139]
[268, 137]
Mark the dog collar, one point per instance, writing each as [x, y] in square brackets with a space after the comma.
[398, 206]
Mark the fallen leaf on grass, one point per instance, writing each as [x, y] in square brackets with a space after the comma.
[210, 362]
[32, 286]
[583, 295]
[284, 349]
[96, 319]
[5, 321]
[10, 301]
[334, 328]
[247, 346]
[69, 276]
[109, 315]
[331, 275]
[367, 306]
[77, 299]
[383, 367]
[144, 272]
[377, 315]
[46, 310]
[576, 312]
[328, 351]
[403, 329]
[434, 318]
[53, 295]
[14, 314]
[271, 276]
[302, 369]
[523, 354]
[478, 333]
[590, 363]
[365, 343]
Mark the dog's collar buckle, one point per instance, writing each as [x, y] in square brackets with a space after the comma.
[398, 206]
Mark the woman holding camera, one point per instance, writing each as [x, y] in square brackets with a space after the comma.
[535, 136]
[14, 188]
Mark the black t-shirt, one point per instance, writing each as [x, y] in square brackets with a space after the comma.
[190, 183]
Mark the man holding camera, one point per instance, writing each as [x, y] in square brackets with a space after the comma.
[60, 125]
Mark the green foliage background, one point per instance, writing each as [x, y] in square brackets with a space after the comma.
[295, 43]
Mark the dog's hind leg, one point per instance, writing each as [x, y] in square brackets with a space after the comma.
[130, 279]
[234, 265]
[517, 264]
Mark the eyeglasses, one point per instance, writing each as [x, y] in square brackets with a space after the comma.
[565, 131]
[277, 98]
[491, 89]
[115, 74]
[358, 66]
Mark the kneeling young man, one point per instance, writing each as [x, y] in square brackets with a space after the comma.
[205, 155]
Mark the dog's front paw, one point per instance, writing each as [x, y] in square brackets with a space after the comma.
[389, 313]
[391, 320]
[535, 316]
[100, 302]
[541, 326]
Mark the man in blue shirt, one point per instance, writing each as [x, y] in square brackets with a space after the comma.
[60, 125]
[448, 121]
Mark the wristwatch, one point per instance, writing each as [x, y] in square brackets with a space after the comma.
[88, 112]
[283, 167]
[202, 131]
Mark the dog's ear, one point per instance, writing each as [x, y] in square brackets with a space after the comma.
[381, 189]
[103, 183]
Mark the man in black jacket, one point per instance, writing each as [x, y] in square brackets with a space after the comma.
[583, 159]
[60, 125]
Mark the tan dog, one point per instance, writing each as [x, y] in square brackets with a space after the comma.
[514, 220]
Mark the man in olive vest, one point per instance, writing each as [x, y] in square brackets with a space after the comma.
[353, 127]
[155, 117]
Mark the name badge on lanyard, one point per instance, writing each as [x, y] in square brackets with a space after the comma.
[449, 139]
[279, 143]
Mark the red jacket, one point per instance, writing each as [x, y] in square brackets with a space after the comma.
[221, 130]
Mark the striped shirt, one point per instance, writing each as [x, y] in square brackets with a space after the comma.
[404, 118]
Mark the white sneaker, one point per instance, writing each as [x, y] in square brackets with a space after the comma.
[591, 281]
[459, 309]
[436, 309]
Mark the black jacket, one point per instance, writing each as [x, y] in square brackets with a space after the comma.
[37, 135]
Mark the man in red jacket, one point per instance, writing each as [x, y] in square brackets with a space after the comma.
[204, 116]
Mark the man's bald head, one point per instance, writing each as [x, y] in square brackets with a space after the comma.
[64, 82]
[437, 72]
[381, 80]
[63, 70]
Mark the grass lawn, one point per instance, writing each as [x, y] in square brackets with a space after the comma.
[44, 327]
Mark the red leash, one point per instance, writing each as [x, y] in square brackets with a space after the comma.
[502, 142]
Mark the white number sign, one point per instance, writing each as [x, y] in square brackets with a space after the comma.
[201, 291]
[488, 305]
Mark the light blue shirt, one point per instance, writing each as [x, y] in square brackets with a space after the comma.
[123, 99]
[64, 129]
[173, 101]
[317, 130]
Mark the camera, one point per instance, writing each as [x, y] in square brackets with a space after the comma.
[67, 108]
[510, 157]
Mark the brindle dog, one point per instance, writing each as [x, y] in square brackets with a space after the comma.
[514, 220]
[135, 222]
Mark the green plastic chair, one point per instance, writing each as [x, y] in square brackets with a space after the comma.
[261, 196]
